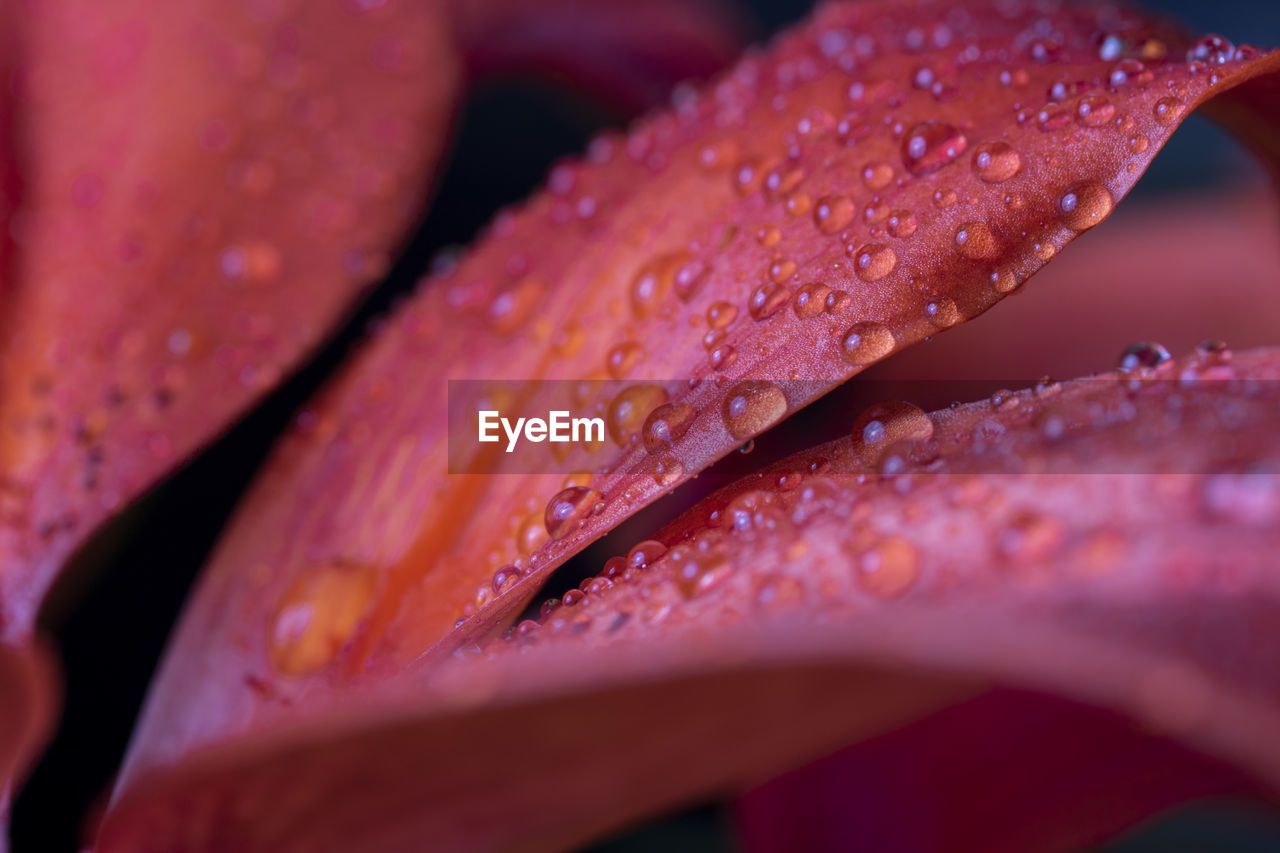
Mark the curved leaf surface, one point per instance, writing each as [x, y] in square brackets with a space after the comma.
[866, 182]
[1108, 540]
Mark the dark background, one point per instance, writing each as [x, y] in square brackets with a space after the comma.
[111, 616]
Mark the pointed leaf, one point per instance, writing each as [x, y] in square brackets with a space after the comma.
[1109, 540]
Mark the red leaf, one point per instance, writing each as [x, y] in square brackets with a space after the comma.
[202, 191]
[1107, 540]
[195, 193]
[356, 552]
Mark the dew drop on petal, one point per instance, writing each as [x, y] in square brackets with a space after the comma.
[874, 261]
[1084, 204]
[319, 615]
[666, 425]
[753, 406]
[866, 342]
[996, 161]
[568, 509]
[930, 145]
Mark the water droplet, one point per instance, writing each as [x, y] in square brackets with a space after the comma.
[1211, 49]
[974, 240]
[1084, 204]
[1094, 111]
[781, 269]
[810, 300]
[877, 175]
[629, 409]
[721, 314]
[1052, 117]
[942, 312]
[690, 279]
[568, 509]
[767, 300]
[667, 470]
[319, 615]
[885, 423]
[833, 213]
[1167, 110]
[753, 406]
[654, 281]
[531, 534]
[866, 342]
[645, 554]
[996, 161]
[698, 570]
[838, 302]
[902, 223]
[623, 358]
[665, 426]
[1143, 354]
[874, 261]
[888, 568]
[721, 357]
[930, 145]
[769, 236]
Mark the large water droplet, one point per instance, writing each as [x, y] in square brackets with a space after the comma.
[629, 408]
[885, 423]
[874, 261]
[1143, 354]
[930, 145]
[975, 240]
[888, 568]
[866, 342]
[319, 615]
[568, 509]
[833, 213]
[1084, 204]
[753, 406]
[665, 426]
[996, 161]
[810, 300]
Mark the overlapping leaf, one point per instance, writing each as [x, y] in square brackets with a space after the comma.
[1107, 539]
[192, 193]
[869, 181]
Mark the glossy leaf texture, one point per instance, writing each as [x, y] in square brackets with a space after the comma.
[862, 184]
[1108, 540]
[191, 194]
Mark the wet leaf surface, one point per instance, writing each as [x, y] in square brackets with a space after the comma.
[1106, 539]
[863, 184]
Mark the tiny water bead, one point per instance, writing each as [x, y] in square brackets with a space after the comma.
[902, 223]
[866, 342]
[996, 161]
[752, 406]
[930, 145]
[665, 425]
[1143, 354]
[1084, 204]
[319, 615]
[569, 508]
